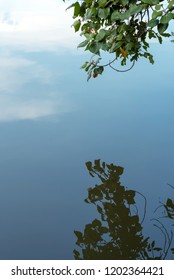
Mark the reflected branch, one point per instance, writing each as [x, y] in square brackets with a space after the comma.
[117, 232]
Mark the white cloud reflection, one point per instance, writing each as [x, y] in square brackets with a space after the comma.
[13, 108]
[27, 90]
[32, 26]
[36, 25]
[16, 71]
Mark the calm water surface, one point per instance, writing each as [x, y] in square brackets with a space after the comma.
[127, 119]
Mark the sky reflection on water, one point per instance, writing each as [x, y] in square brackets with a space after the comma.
[52, 121]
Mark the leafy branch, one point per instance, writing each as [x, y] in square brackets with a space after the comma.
[121, 28]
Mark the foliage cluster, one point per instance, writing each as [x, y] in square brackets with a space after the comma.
[120, 27]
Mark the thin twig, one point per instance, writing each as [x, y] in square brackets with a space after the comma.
[145, 206]
[104, 65]
[123, 70]
[170, 186]
[167, 237]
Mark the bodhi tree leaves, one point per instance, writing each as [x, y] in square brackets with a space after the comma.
[120, 27]
[117, 232]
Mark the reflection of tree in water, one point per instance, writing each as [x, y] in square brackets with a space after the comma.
[118, 233]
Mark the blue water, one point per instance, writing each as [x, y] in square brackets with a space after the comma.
[126, 119]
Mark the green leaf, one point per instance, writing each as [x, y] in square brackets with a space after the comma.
[156, 14]
[129, 46]
[119, 36]
[102, 3]
[151, 2]
[88, 78]
[77, 8]
[153, 22]
[116, 16]
[100, 36]
[171, 4]
[123, 27]
[76, 25]
[162, 27]
[87, 69]
[149, 56]
[135, 9]
[84, 65]
[90, 13]
[151, 59]
[103, 13]
[124, 2]
[83, 9]
[158, 7]
[98, 70]
[88, 2]
[69, 7]
[116, 46]
[104, 46]
[151, 34]
[94, 48]
[83, 44]
[166, 35]
[166, 18]
[160, 39]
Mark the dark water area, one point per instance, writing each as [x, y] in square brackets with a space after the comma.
[122, 119]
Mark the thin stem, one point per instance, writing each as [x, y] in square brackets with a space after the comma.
[170, 186]
[123, 70]
[145, 206]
